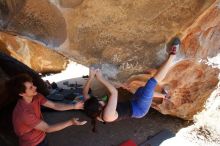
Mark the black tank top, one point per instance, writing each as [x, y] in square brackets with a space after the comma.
[124, 111]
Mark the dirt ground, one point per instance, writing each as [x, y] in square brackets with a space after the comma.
[110, 134]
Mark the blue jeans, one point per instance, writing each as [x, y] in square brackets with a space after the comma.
[142, 99]
[44, 142]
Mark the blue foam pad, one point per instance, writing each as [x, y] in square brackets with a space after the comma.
[158, 138]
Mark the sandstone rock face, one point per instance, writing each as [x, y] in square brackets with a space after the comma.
[121, 33]
[34, 55]
[37, 19]
[132, 35]
[129, 34]
[191, 81]
[200, 42]
[202, 38]
[70, 3]
[189, 88]
[126, 37]
[188, 83]
[8, 9]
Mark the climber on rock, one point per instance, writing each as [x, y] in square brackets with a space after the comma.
[140, 102]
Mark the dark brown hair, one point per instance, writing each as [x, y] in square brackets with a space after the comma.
[93, 109]
[15, 85]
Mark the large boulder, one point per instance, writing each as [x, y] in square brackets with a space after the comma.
[34, 55]
[192, 80]
[37, 19]
[127, 37]
[130, 35]
[189, 85]
[70, 3]
[8, 9]
[202, 39]
[126, 34]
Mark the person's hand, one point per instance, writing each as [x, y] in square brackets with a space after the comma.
[75, 121]
[98, 73]
[79, 105]
[92, 72]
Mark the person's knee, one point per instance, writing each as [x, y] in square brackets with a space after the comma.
[152, 81]
[139, 113]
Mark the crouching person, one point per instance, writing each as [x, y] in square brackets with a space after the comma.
[27, 118]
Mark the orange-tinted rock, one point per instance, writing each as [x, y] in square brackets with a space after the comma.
[70, 3]
[131, 35]
[202, 38]
[189, 84]
[34, 55]
[37, 19]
